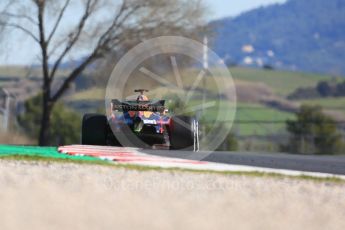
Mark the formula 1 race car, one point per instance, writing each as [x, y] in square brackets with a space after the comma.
[140, 123]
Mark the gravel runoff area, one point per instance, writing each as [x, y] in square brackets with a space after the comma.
[40, 195]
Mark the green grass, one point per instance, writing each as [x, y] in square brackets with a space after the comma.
[88, 95]
[244, 112]
[282, 83]
[333, 104]
[18, 71]
[328, 103]
[255, 114]
[25, 71]
[261, 114]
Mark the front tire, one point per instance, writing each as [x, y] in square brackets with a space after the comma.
[94, 129]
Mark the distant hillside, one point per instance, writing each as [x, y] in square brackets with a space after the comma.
[299, 35]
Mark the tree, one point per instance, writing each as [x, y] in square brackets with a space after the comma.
[341, 89]
[230, 143]
[104, 26]
[65, 124]
[324, 89]
[313, 132]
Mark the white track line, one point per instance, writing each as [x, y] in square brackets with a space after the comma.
[133, 156]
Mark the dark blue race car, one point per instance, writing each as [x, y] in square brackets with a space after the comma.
[140, 123]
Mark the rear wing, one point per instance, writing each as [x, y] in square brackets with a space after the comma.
[124, 106]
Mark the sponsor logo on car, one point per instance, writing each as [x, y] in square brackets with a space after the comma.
[149, 122]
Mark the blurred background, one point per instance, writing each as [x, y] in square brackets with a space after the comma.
[286, 57]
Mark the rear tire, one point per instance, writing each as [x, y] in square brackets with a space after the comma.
[181, 133]
[94, 129]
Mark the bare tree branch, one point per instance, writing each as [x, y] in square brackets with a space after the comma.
[55, 46]
[73, 76]
[21, 28]
[122, 9]
[96, 54]
[57, 23]
[105, 40]
[20, 16]
[73, 38]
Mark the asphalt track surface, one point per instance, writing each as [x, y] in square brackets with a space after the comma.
[307, 163]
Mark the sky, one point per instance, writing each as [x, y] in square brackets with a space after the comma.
[18, 50]
[226, 8]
